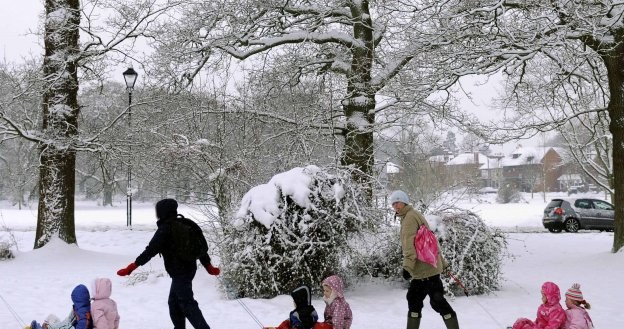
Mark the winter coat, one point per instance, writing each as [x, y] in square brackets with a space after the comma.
[161, 243]
[411, 220]
[337, 311]
[550, 315]
[80, 316]
[103, 308]
[578, 318]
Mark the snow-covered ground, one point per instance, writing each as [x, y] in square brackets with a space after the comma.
[38, 282]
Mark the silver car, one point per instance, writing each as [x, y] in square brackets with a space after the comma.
[578, 214]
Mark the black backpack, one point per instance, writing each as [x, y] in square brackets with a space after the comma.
[188, 242]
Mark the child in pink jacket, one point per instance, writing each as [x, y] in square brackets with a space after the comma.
[337, 310]
[550, 315]
[103, 308]
[576, 314]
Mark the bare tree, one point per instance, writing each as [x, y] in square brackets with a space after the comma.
[579, 39]
[55, 129]
[367, 46]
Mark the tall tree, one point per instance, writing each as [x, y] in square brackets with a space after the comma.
[579, 38]
[55, 129]
[60, 122]
[367, 45]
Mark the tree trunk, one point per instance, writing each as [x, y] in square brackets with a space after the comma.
[614, 61]
[359, 104]
[60, 123]
[107, 193]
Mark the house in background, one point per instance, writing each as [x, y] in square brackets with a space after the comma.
[465, 169]
[534, 169]
[492, 171]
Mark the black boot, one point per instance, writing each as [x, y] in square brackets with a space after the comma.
[450, 320]
[413, 320]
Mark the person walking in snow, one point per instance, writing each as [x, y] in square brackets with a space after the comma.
[577, 316]
[182, 305]
[424, 278]
[550, 314]
[78, 318]
[103, 308]
[337, 311]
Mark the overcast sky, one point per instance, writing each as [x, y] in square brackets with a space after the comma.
[18, 20]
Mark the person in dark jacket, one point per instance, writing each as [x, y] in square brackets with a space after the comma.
[304, 315]
[182, 305]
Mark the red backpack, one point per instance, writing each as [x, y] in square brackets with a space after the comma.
[426, 245]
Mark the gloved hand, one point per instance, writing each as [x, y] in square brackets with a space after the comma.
[127, 270]
[406, 275]
[212, 270]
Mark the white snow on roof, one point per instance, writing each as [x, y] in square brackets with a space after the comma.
[491, 163]
[526, 155]
[467, 158]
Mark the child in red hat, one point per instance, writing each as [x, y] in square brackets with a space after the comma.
[576, 314]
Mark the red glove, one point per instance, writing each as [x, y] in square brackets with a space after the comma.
[127, 270]
[212, 270]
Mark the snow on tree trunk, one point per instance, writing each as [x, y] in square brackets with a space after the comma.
[359, 105]
[614, 61]
[60, 123]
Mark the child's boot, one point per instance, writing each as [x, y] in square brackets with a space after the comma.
[450, 320]
[413, 320]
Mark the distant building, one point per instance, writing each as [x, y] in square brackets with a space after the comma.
[464, 169]
[533, 169]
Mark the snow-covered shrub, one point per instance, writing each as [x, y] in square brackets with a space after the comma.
[7, 243]
[508, 193]
[5, 250]
[378, 254]
[473, 250]
[291, 230]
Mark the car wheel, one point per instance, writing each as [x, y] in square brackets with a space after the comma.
[554, 230]
[572, 225]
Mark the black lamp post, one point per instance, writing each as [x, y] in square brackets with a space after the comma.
[130, 76]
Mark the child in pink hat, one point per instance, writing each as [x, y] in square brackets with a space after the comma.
[550, 314]
[576, 314]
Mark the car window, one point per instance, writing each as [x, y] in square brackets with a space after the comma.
[583, 204]
[554, 203]
[602, 205]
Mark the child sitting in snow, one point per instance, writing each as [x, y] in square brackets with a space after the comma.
[103, 308]
[79, 317]
[337, 310]
[576, 314]
[304, 315]
[550, 314]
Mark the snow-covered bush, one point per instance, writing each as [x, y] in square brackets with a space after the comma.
[508, 193]
[291, 231]
[378, 254]
[473, 250]
[5, 251]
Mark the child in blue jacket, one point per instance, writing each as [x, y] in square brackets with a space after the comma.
[79, 317]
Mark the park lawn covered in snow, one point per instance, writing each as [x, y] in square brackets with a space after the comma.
[38, 282]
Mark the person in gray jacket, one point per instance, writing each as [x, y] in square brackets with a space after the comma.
[424, 278]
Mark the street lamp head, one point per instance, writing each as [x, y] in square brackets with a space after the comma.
[130, 75]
